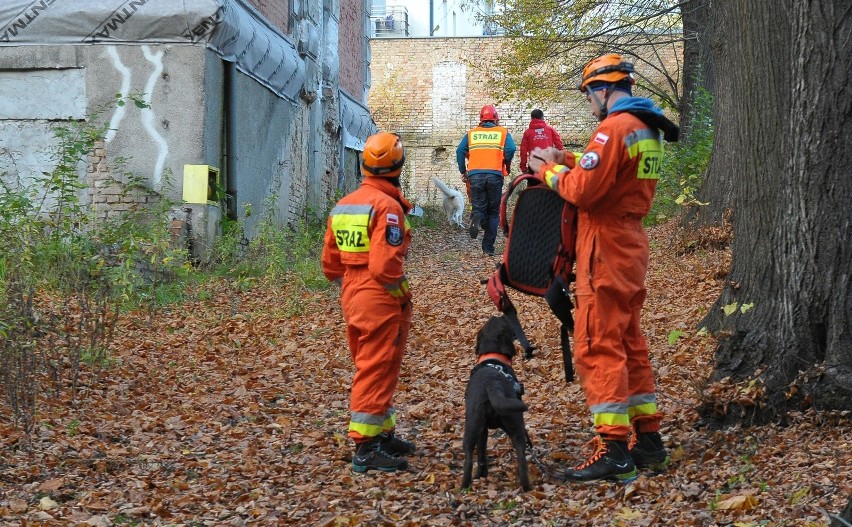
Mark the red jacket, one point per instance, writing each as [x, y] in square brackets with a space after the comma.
[538, 135]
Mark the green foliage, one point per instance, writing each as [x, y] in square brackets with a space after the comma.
[553, 39]
[685, 162]
[279, 253]
[65, 273]
[432, 218]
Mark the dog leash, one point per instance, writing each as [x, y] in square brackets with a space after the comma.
[545, 469]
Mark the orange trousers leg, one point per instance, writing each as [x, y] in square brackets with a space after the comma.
[611, 354]
[377, 331]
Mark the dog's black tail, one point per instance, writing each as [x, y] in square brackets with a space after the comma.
[502, 404]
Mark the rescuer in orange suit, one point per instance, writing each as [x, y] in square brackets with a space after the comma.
[613, 186]
[366, 240]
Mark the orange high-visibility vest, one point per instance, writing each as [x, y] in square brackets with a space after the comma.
[485, 146]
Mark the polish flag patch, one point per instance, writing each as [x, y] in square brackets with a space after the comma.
[601, 138]
[392, 219]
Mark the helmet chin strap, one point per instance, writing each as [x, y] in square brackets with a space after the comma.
[601, 104]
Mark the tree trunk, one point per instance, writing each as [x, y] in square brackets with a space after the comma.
[783, 115]
[694, 15]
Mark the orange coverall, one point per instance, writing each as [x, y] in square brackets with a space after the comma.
[366, 240]
[613, 186]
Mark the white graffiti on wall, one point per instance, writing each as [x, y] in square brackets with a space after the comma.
[147, 114]
[125, 89]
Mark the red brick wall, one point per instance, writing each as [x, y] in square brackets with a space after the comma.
[352, 46]
[276, 11]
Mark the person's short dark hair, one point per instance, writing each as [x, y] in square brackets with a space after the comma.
[537, 114]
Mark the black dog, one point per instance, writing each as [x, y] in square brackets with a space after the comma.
[493, 400]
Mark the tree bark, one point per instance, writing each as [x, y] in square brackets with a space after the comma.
[783, 114]
[694, 16]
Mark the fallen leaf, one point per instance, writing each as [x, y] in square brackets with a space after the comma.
[47, 504]
[740, 502]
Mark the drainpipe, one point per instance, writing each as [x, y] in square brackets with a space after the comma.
[231, 140]
[431, 17]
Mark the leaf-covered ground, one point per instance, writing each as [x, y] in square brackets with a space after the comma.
[229, 412]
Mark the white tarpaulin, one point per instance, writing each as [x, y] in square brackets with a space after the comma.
[228, 27]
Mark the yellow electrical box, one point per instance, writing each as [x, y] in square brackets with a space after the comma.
[200, 183]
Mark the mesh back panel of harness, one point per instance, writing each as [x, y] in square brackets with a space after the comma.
[534, 244]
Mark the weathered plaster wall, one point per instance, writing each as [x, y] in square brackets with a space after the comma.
[282, 156]
[156, 141]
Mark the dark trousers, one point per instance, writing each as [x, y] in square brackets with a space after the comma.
[485, 193]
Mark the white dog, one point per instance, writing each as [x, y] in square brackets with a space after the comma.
[453, 203]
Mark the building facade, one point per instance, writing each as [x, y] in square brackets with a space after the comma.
[430, 91]
[267, 97]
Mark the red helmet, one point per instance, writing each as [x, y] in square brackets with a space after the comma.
[488, 113]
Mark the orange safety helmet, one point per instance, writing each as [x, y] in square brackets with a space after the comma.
[606, 68]
[488, 113]
[383, 155]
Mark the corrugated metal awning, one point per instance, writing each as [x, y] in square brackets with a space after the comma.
[229, 27]
[356, 121]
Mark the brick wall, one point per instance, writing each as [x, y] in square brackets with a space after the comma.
[430, 91]
[109, 197]
[276, 11]
[353, 43]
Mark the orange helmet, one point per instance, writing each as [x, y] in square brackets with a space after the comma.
[606, 68]
[488, 113]
[383, 155]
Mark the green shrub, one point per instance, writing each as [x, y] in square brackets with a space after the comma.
[65, 274]
[684, 162]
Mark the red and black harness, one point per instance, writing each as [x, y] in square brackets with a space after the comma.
[538, 259]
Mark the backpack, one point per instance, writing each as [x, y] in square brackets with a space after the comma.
[538, 259]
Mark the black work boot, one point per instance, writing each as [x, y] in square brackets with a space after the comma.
[610, 460]
[395, 445]
[370, 454]
[475, 224]
[648, 451]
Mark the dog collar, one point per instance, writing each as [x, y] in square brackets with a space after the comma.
[495, 356]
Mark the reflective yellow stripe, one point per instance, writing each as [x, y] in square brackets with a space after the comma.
[551, 176]
[368, 425]
[350, 225]
[647, 143]
[642, 409]
[398, 289]
[390, 422]
[486, 140]
[365, 429]
[612, 419]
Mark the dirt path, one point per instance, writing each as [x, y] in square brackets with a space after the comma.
[229, 412]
